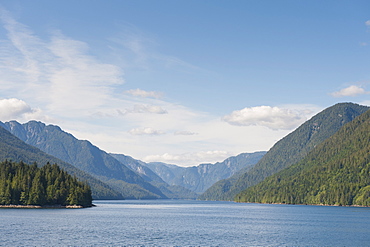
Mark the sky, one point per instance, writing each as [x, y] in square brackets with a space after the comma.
[181, 82]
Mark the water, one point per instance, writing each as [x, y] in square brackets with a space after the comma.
[186, 223]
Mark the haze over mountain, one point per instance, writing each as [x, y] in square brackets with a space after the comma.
[171, 191]
[12, 148]
[288, 150]
[335, 172]
[201, 177]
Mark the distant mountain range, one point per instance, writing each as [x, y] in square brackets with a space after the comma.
[201, 177]
[288, 150]
[129, 178]
[324, 161]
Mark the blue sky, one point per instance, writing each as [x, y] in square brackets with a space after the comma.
[183, 82]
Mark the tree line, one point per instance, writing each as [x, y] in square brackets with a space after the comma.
[23, 184]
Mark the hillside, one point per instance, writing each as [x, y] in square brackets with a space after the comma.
[290, 149]
[336, 172]
[12, 148]
[201, 177]
[86, 157]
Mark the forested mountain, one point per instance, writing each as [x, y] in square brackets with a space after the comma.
[336, 172]
[199, 178]
[290, 149]
[171, 191]
[12, 148]
[85, 156]
[22, 184]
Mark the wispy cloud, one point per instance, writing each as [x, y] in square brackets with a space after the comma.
[367, 23]
[57, 80]
[271, 117]
[145, 94]
[185, 133]
[58, 73]
[350, 91]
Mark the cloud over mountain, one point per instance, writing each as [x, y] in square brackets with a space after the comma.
[190, 158]
[13, 108]
[271, 117]
[350, 91]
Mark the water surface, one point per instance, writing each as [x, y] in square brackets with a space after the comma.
[186, 223]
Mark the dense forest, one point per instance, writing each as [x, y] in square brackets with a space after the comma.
[336, 172]
[22, 184]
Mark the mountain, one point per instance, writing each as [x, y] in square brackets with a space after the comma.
[201, 177]
[12, 148]
[86, 157]
[171, 191]
[290, 149]
[336, 172]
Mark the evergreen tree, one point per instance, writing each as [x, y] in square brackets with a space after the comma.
[22, 184]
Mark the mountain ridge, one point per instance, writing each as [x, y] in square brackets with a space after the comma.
[85, 156]
[335, 172]
[12, 148]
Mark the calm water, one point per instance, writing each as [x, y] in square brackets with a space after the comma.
[186, 223]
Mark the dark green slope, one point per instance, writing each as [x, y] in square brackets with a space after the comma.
[336, 172]
[86, 157]
[290, 149]
[12, 148]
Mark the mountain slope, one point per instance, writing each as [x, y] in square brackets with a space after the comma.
[171, 191]
[85, 156]
[291, 148]
[336, 172]
[201, 177]
[12, 148]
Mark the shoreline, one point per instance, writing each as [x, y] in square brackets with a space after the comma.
[304, 204]
[44, 207]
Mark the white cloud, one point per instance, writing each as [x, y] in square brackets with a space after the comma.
[145, 131]
[190, 159]
[271, 117]
[349, 91]
[367, 23]
[13, 109]
[145, 94]
[16, 109]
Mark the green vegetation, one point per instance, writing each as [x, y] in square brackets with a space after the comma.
[336, 172]
[22, 184]
[289, 150]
